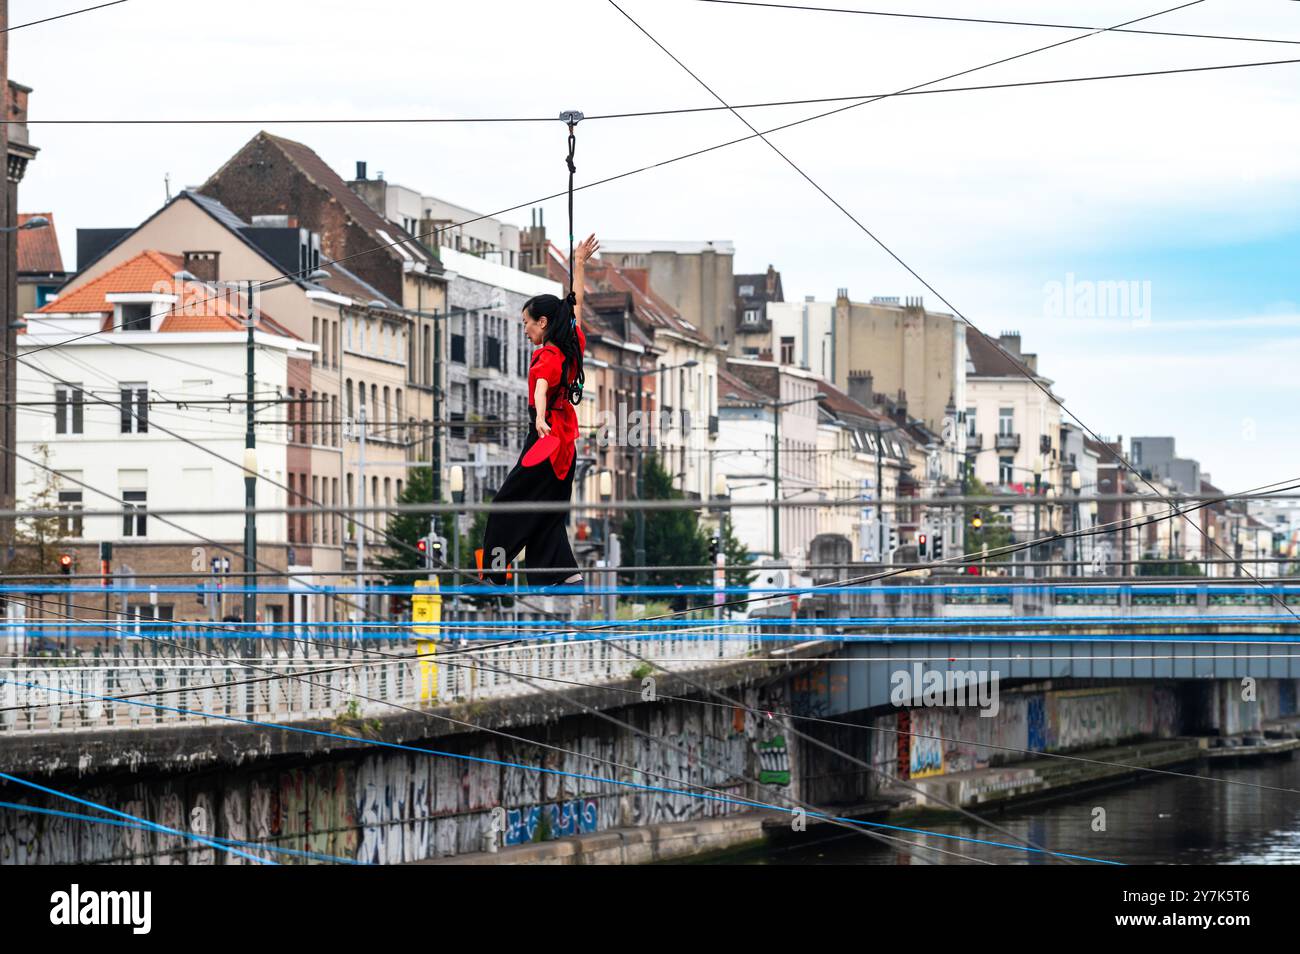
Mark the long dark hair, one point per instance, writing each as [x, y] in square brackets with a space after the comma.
[562, 331]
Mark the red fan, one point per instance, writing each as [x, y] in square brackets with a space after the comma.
[541, 450]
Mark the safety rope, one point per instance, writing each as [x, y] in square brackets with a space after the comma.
[572, 117]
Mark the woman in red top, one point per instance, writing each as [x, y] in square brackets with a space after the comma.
[555, 380]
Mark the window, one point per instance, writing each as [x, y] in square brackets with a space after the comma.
[751, 316]
[45, 293]
[137, 317]
[970, 422]
[1006, 421]
[69, 409]
[70, 500]
[787, 350]
[746, 291]
[135, 408]
[1005, 469]
[133, 521]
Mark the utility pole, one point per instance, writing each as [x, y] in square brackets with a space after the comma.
[776, 481]
[250, 473]
[639, 516]
[361, 504]
[880, 499]
[437, 412]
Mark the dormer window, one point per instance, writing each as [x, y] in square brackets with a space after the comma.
[140, 311]
[136, 317]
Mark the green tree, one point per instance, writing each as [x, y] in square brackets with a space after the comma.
[1157, 566]
[672, 537]
[404, 530]
[735, 553]
[38, 541]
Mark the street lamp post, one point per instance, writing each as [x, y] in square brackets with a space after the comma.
[605, 487]
[250, 441]
[1208, 544]
[776, 407]
[1038, 483]
[1076, 485]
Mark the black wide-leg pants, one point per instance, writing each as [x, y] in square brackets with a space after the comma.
[543, 534]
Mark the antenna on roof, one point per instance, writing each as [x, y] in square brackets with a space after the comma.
[167, 185]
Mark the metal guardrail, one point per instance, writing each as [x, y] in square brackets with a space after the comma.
[72, 694]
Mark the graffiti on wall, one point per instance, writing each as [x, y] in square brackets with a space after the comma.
[774, 762]
[928, 741]
[382, 807]
[926, 751]
[563, 820]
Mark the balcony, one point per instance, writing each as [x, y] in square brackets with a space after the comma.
[1007, 442]
[974, 443]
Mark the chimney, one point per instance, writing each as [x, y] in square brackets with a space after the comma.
[900, 409]
[771, 282]
[860, 385]
[1010, 342]
[841, 297]
[203, 265]
[361, 170]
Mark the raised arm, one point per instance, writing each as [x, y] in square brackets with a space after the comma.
[589, 247]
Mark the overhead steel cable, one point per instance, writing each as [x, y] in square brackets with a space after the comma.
[710, 792]
[143, 826]
[756, 711]
[61, 16]
[683, 110]
[151, 825]
[630, 172]
[1016, 366]
[995, 22]
[1112, 526]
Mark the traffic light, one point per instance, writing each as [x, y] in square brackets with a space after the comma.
[715, 547]
[423, 546]
[938, 547]
[435, 550]
[921, 544]
[65, 564]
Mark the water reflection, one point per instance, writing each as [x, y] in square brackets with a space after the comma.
[1162, 820]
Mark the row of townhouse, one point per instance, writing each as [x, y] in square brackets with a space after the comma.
[399, 323]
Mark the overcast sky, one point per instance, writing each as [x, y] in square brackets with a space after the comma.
[1003, 200]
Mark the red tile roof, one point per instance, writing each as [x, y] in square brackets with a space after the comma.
[201, 307]
[38, 249]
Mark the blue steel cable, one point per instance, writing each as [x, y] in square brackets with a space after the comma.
[974, 589]
[504, 763]
[1014, 365]
[155, 826]
[314, 855]
[379, 630]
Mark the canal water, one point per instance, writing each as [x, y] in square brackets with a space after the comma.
[1160, 820]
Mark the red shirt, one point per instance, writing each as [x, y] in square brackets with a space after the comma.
[548, 365]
